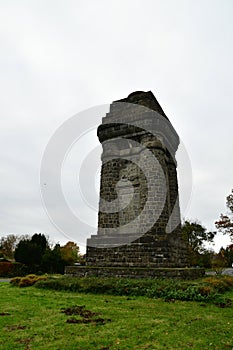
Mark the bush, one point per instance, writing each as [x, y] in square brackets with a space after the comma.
[204, 290]
[220, 284]
[9, 269]
[27, 281]
[6, 269]
[15, 281]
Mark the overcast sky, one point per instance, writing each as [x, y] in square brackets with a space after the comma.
[58, 58]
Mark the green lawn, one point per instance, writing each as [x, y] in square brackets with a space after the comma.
[31, 318]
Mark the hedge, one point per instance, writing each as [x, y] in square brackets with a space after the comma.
[12, 269]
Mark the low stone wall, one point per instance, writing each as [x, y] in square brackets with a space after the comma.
[134, 272]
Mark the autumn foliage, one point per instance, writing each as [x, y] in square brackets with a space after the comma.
[10, 269]
[225, 223]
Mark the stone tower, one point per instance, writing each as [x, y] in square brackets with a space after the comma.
[139, 215]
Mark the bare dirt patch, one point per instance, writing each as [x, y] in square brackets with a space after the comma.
[85, 316]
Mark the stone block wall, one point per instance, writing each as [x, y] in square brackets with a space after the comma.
[134, 272]
[139, 215]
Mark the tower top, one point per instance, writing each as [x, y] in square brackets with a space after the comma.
[144, 98]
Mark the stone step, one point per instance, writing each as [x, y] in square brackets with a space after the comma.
[117, 234]
[111, 241]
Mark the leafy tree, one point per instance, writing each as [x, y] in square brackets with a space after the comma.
[36, 253]
[205, 258]
[7, 245]
[25, 253]
[225, 223]
[40, 240]
[228, 255]
[52, 261]
[196, 235]
[219, 261]
[30, 251]
[70, 253]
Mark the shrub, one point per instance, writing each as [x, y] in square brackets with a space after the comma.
[32, 276]
[9, 269]
[15, 281]
[19, 269]
[6, 269]
[220, 284]
[27, 281]
[207, 289]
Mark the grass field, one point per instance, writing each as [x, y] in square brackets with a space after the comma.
[32, 318]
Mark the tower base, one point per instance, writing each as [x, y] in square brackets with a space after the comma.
[134, 272]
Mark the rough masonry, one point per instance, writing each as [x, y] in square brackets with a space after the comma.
[139, 214]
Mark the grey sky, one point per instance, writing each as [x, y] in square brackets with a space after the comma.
[58, 58]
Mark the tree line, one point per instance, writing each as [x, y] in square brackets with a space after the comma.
[37, 254]
[197, 237]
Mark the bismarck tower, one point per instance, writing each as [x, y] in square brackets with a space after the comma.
[139, 214]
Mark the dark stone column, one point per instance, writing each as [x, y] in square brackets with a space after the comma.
[139, 215]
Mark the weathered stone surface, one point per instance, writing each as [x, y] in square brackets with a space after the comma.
[138, 178]
[134, 272]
